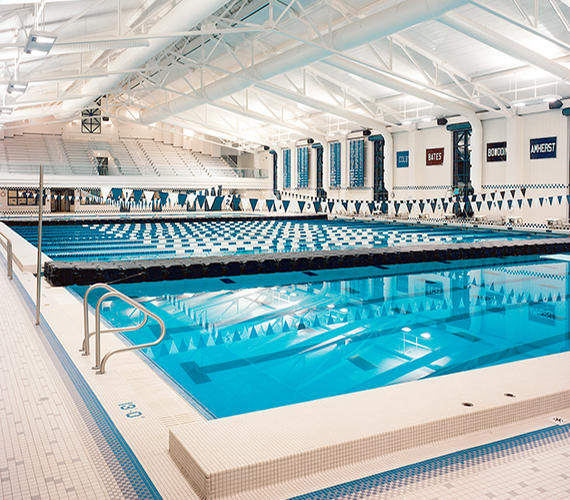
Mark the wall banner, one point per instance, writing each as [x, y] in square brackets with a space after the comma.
[496, 151]
[402, 159]
[544, 147]
[434, 156]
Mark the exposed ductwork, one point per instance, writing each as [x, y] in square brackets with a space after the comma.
[503, 44]
[438, 100]
[379, 25]
[187, 14]
[70, 48]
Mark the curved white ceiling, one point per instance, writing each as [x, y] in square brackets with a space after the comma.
[263, 71]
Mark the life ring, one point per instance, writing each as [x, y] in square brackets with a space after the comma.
[2, 193]
[392, 194]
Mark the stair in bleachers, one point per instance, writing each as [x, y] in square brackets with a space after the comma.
[79, 157]
[215, 165]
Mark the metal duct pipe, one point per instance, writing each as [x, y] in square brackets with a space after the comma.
[185, 15]
[379, 25]
[69, 48]
[503, 44]
[401, 86]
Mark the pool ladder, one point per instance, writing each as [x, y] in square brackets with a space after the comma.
[100, 363]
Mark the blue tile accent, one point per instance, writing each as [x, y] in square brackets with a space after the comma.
[387, 483]
[127, 472]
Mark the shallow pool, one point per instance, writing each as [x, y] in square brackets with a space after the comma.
[153, 240]
[256, 342]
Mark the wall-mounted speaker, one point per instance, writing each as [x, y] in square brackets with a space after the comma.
[442, 121]
[555, 104]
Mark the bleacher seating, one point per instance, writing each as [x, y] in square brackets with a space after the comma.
[131, 160]
[133, 157]
[215, 165]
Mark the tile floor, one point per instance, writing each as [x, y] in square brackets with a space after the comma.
[65, 438]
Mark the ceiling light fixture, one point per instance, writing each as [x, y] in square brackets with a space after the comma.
[521, 103]
[418, 119]
[39, 43]
[16, 87]
[5, 111]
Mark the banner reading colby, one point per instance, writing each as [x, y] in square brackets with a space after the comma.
[434, 156]
[544, 147]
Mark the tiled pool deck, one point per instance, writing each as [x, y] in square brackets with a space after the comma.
[68, 433]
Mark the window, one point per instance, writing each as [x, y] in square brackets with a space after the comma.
[22, 197]
[303, 167]
[91, 196]
[91, 121]
[286, 168]
[334, 148]
[356, 178]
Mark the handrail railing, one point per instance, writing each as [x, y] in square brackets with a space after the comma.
[100, 363]
[8, 255]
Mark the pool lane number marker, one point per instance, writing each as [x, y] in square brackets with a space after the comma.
[131, 410]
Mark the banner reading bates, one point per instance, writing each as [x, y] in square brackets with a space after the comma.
[434, 156]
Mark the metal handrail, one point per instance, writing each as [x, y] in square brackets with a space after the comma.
[100, 363]
[8, 255]
[87, 335]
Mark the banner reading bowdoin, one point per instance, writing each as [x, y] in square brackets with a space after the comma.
[544, 147]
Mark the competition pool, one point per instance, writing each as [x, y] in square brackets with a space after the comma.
[255, 342]
[116, 241]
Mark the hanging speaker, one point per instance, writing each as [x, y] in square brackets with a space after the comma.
[442, 121]
[555, 104]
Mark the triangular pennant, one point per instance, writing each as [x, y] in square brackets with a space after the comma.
[523, 191]
[520, 202]
[479, 203]
[500, 204]
[510, 204]
[540, 200]
[489, 204]
[502, 193]
[513, 191]
[529, 202]
[550, 199]
[301, 205]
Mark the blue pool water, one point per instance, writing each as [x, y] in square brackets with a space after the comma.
[255, 342]
[131, 241]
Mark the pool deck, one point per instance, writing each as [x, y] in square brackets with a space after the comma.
[69, 433]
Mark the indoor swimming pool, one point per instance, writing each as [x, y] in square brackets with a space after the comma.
[127, 241]
[255, 342]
